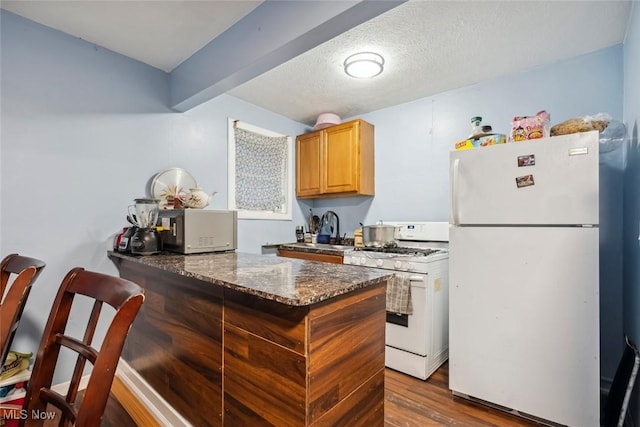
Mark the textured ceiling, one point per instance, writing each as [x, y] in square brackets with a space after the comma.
[429, 46]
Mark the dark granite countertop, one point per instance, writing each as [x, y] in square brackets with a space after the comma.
[286, 280]
[316, 248]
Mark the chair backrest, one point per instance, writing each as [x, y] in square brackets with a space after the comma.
[17, 274]
[126, 298]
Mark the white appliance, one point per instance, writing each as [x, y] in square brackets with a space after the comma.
[524, 300]
[417, 343]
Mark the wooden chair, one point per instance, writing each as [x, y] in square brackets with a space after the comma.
[126, 298]
[22, 271]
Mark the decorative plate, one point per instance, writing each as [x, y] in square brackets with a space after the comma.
[171, 183]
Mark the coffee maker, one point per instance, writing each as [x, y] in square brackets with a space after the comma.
[146, 239]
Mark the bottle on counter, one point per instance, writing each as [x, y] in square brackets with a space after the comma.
[357, 238]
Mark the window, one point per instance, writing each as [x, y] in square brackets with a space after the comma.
[260, 172]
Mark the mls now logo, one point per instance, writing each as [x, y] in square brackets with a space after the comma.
[42, 415]
[12, 412]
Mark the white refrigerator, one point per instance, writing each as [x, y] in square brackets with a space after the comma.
[524, 308]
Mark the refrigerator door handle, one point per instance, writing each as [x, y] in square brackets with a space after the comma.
[455, 215]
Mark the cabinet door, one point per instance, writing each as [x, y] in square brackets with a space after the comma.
[308, 164]
[341, 158]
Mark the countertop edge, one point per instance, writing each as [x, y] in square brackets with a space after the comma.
[300, 302]
[313, 250]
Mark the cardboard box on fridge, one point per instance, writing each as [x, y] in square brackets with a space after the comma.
[483, 141]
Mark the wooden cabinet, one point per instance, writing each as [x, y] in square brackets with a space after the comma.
[336, 161]
[175, 343]
[319, 365]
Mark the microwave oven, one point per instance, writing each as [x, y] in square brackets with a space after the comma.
[192, 231]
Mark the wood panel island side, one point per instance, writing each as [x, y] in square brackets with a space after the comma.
[245, 340]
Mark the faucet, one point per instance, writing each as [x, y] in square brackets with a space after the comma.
[326, 217]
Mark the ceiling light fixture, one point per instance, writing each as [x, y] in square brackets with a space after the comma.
[363, 65]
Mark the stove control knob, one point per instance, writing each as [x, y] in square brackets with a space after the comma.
[379, 263]
[410, 266]
[363, 260]
[397, 264]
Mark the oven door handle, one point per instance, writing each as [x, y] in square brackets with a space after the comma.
[416, 278]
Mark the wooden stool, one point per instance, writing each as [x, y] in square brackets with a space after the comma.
[126, 298]
[26, 270]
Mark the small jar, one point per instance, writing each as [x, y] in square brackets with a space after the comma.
[299, 234]
[476, 127]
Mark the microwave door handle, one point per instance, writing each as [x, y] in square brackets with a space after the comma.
[455, 214]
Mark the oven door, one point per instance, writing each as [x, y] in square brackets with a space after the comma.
[409, 332]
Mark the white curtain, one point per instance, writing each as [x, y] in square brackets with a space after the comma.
[261, 171]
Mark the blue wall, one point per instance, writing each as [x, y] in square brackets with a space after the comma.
[83, 131]
[632, 191]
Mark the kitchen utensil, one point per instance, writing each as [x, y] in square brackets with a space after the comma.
[144, 213]
[118, 237]
[124, 245]
[323, 238]
[197, 198]
[132, 220]
[146, 241]
[357, 238]
[330, 223]
[169, 184]
[325, 120]
[380, 235]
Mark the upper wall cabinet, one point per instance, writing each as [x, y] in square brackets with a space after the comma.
[336, 161]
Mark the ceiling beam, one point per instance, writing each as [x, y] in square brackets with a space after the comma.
[273, 33]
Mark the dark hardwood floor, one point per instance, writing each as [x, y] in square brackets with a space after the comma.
[409, 402]
[412, 402]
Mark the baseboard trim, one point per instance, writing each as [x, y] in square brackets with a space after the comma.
[132, 405]
[62, 388]
[144, 405]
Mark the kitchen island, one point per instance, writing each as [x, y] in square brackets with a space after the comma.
[241, 339]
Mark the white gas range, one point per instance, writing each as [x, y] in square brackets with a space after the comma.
[417, 343]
